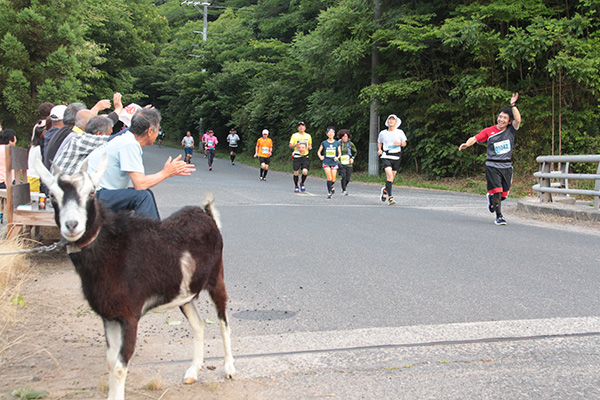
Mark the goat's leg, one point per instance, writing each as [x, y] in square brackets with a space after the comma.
[112, 332]
[191, 313]
[120, 339]
[218, 294]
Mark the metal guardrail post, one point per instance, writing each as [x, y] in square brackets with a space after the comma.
[546, 197]
[546, 175]
[597, 189]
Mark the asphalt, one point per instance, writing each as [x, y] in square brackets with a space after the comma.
[526, 357]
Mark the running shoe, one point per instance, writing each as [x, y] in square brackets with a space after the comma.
[332, 190]
[302, 188]
[345, 193]
[490, 204]
[296, 190]
[383, 194]
[210, 168]
[391, 201]
[260, 178]
[500, 220]
[329, 195]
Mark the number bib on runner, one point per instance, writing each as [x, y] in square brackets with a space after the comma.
[330, 153]
[345, 159]
[502, 147]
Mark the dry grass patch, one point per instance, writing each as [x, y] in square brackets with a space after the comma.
[13, 270]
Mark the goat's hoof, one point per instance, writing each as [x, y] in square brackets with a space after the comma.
[189, 381]
[229, 376]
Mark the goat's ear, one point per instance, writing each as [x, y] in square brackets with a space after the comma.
[41, 169]
[99, 172]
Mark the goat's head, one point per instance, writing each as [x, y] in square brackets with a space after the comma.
[72, 197]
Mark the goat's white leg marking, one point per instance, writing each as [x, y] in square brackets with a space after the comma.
[113, 333]
[226, 334]
[188, 267]
[191, 312]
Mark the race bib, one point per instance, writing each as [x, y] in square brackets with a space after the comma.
[209, 143]
[502, 147]
[265, 150]
[392, 148]
[330, 153]
[345, 159]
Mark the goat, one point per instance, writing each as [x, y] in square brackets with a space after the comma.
[130, 264]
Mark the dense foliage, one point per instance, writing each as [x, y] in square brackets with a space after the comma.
[445, 68]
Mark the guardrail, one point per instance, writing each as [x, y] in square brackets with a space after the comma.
[546, 187]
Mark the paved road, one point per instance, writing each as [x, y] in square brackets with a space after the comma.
[350, 290]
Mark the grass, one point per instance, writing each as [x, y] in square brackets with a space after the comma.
[12, 275]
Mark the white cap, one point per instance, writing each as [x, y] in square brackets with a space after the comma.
[395, 117]
[57, 113]
[265, 131]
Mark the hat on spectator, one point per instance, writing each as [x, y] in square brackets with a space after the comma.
[57, 113]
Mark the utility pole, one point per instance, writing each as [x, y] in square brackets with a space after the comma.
[373, 117]
[203, 12]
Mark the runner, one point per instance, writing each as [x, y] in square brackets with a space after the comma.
[389, 144]
[233, 140]
[188, 143]
[203, 143]
[161, 137]
[210, 146]
[333, 152]
[264, 149]
[498, 166]
[347, 160]
[301, 142]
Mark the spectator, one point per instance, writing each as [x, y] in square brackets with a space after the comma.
[126, 168]
[97, 132]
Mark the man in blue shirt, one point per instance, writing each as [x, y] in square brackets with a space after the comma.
[126, 168]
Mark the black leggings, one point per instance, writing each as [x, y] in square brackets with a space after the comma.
[346, 174]
[211, 156]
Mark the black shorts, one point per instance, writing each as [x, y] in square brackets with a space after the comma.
[499, 180]
[264, 160]
[301, 163]
[387, 162]
[233, 149]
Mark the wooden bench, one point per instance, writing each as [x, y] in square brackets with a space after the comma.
[19, 210]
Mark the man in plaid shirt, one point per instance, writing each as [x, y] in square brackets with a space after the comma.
[96, 134]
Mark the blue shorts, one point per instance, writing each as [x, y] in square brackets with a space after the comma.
[189, 150]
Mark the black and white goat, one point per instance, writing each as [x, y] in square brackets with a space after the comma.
[129, 265]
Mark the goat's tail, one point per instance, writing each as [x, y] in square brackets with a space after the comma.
[210, 208]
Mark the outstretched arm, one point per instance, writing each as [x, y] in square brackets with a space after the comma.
[171, 168]
[516, 113]
[470, 142]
